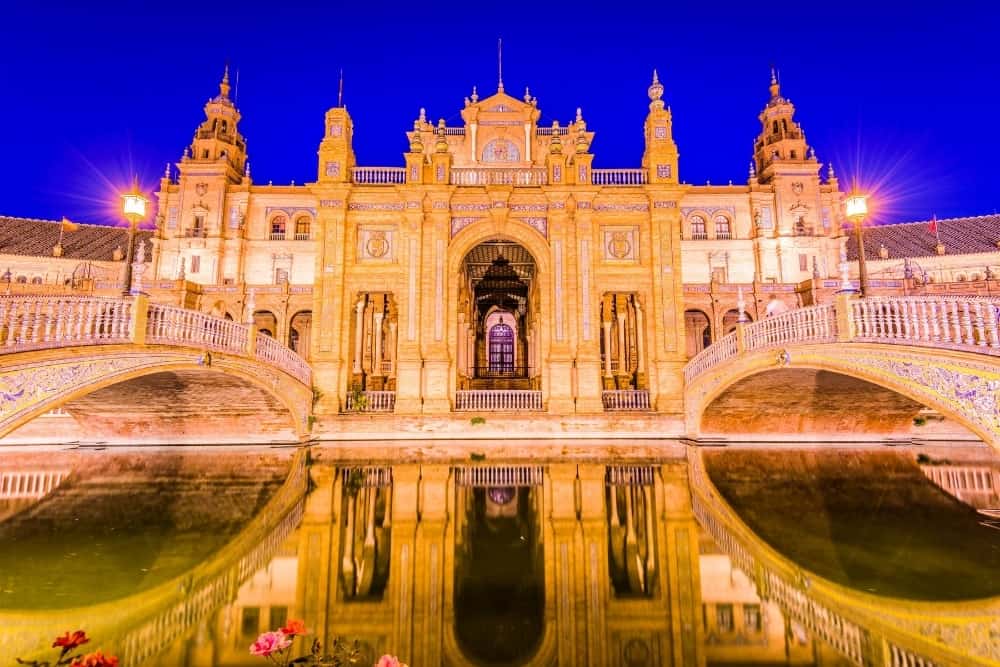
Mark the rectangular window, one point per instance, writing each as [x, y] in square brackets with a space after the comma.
[195, 263]
[724, 617]
[766, 221]
[250, 623]
[278, 617]
[803, 262]
[172, 217]
[751, 618]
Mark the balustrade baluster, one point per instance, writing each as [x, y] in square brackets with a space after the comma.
[970, 339]
[980, 324]
[943, 317]
[935, 330]
[36, 321]
[12, 323]
[991, 324]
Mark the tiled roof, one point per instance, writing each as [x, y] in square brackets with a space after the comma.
[960, 236]
[28, 236]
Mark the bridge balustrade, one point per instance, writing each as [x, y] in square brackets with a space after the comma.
[37, 322]
[966, 323]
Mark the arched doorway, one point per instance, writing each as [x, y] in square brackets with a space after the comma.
[498, 325]
[698, 331]
[730, 319]
[299, 332]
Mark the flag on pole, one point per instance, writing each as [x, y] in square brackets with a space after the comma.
[67, 226]
[933, 227]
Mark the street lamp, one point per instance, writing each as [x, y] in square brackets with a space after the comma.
[856, 208]
[134, 209]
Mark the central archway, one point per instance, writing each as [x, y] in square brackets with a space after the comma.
[498, 315]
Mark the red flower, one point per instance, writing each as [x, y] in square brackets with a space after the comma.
[294, 627]
[95, 659]
[71, 640]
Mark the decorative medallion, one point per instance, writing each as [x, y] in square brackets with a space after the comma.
[377, 245]
[620, 243]
[660, 132]
[336, 130]
[619, 246]
[201, 189]
[636, 653]
[798, 187]
[501, 150]
[663, 171]
[332, 169]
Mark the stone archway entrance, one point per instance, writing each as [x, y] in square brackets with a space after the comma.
[498, 319]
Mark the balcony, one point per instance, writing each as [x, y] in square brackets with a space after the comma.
[724, 236]
[625, 400]
[195, 233]
[492, 372]
[371, 401]
[699, 236]
[378, 175]
[301, 236]
[277, 236]
[619, 177]
[498, 400]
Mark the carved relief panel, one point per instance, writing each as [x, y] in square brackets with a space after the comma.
[620, 243]
[377, 243]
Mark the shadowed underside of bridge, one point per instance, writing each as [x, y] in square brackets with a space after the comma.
[847, 391]
[143, 396]
[180, 405]
[805, 400]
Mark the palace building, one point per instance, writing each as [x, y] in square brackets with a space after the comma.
[498, 266]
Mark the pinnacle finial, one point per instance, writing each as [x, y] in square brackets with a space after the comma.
[655, 92]
[579, 115]
[423, 116]
[753, 170]
[166, 172]
[527, 95]
[829, 172]
[224, 84]
[475, 95]
[775, 87]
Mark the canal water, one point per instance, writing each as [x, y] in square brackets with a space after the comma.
[633, 554]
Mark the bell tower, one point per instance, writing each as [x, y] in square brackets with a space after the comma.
[660, 157]
[217, 139]
[336, 150]
[781, 142]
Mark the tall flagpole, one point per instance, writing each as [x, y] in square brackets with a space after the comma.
[340, 89]
[500, 64]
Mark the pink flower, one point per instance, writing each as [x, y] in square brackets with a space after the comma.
[389, 661]
[96, 659]
[269, 642]
[71, 640]
[294, 627]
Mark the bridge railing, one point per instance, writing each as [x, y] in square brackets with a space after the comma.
[965, 323]
[174, 325]
[270, 350]
[32, 322]
[36, 322]
[958, 322]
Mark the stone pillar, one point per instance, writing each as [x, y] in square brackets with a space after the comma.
[682, 567]
[400, 592]
[563, 552]
[391, 347]
[606, 324]
[378, 377]
[463, 348]
[596, 582]
[429, 559]
[640, 335]
[318, 536]
[359, 309]
[623, 374]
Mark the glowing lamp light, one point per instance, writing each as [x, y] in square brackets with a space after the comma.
[134, 205]
[856, 207]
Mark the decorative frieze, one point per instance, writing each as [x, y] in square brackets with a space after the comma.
[664, 204]
[374, 206]
[631, 207]
[331, 203]
[460, 223]
[529, 208]
[479, 206]
[540, 225]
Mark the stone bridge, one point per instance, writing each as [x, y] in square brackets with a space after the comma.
[124, 368]
[867, 629]
[854, 368]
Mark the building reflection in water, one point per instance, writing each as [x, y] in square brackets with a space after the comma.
[561, 563]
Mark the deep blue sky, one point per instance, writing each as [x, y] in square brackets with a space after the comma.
[905, 98]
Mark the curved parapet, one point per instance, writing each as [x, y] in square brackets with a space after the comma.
[867, 629]
[941, 353]
[59, 349]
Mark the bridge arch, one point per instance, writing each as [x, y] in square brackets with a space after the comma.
[963, 387]
[101, 385]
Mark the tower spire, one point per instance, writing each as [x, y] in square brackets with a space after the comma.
[224, 84]
[775, 85]
[499, 65]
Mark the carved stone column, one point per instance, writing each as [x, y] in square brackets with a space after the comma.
[359, 309]
[377, 375]
[641, 381]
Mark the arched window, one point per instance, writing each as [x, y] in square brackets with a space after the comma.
[784, 124]
[775, 127]
[302, 225]
[722, 228]
[278, 224]
[501, 349]
[37, 280]
[698, 227]
[22, 279]
[225, 127]
[501, 150]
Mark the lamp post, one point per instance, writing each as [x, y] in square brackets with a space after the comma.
[134, 209]
[857, 208]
